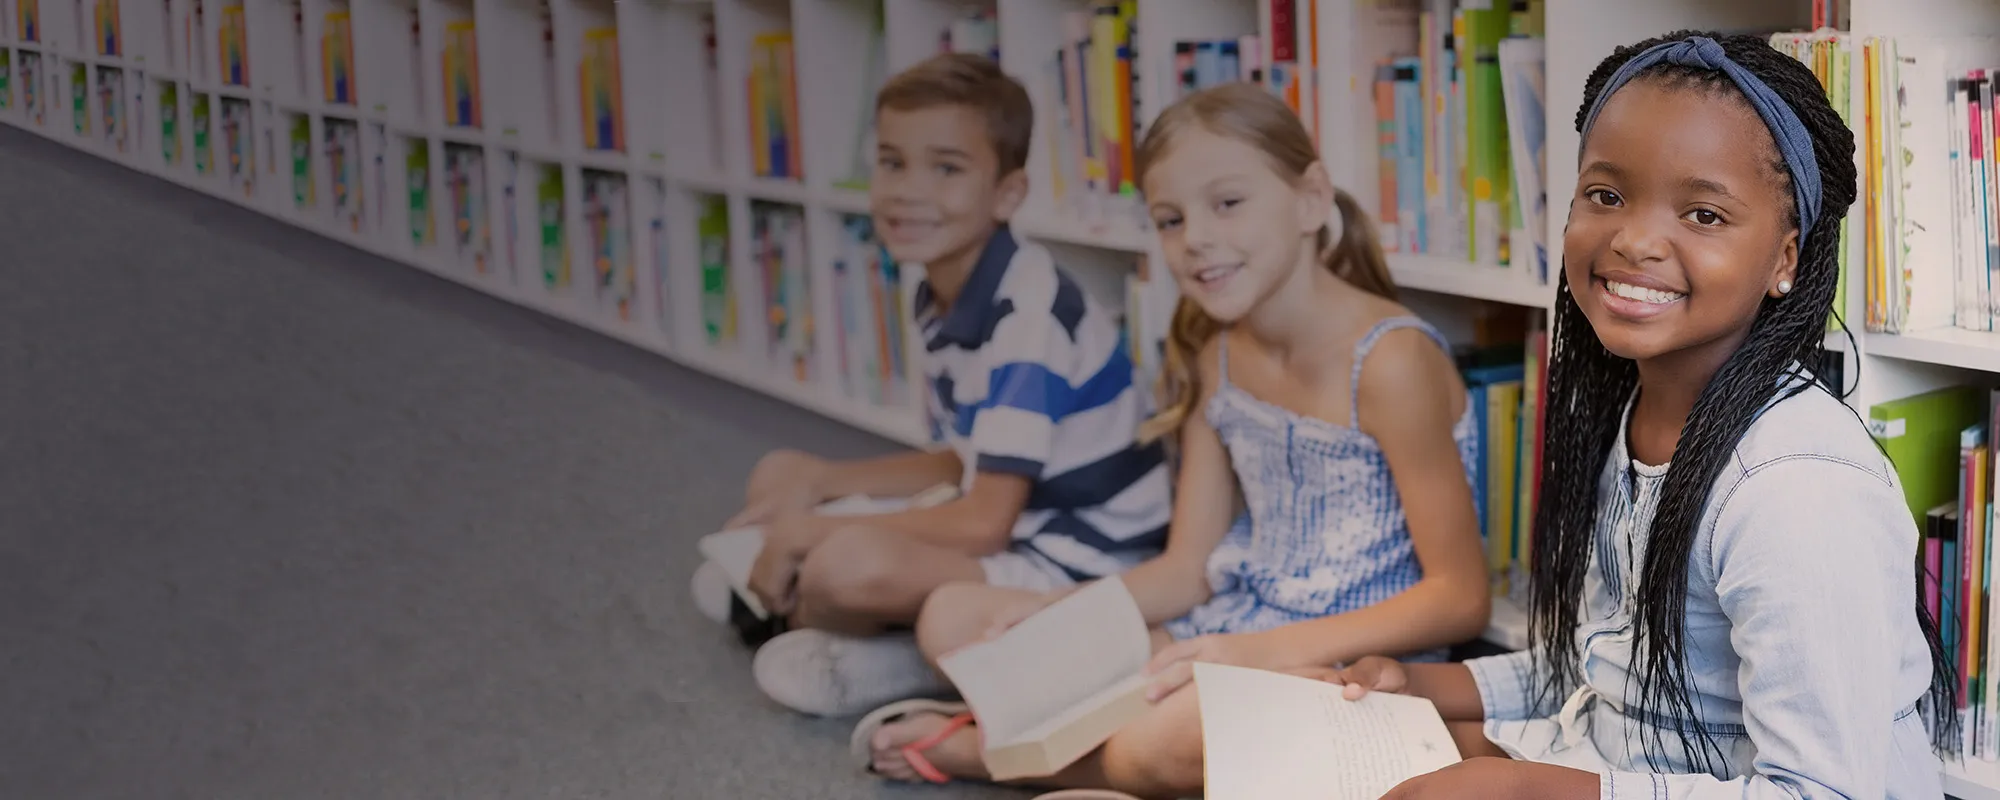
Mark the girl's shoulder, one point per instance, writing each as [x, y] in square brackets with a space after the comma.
[1810, 424]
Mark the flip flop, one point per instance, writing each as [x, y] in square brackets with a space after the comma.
[860, 744]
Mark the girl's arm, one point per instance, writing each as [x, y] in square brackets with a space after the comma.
[1176, 581]
[1410, 402]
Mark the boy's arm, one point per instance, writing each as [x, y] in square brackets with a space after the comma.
[1406, 406]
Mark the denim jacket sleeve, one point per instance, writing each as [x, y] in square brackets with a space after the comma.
[1812, 559]
[1507, 687]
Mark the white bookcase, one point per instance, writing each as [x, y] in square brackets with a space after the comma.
[677, 154]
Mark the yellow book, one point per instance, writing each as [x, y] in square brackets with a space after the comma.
[1503, 418]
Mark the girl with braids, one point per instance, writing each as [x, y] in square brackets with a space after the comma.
[1724, 603]
[1296, 378]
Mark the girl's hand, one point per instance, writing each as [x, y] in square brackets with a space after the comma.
[1371, 674]
[1010, 615]
[775, 579]
[1173, 666]
[1499, 779]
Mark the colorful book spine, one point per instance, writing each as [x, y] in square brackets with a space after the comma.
[204, 149]
[170, 134]
[232, 46]
[718, 299]
[303, 191]
[461, 75]
[417, 184]
[28, 18]
[549, 210]
[601, 91]
[337, 58]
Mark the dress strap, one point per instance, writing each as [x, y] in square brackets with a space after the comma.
[1367, 343]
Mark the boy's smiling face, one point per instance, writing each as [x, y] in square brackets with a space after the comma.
[936, 193]
[1678, 229]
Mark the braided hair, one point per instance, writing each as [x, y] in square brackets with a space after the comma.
[1588, 387]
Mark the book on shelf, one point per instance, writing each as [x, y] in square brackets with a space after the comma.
[510, 211]
[549, 211]
[735, 550]
[1274, 736]
[608, 230]
[1094, 128]
[1041, 700]
[239, 145]
[336, 48]
[975, 30]
[872, 333]
[1940, 444]
[465, 190]
[300, 140]
[343, 171]
[718, 292]
[199, 128]
[6, 76]
[170, 132]
[460, 54]
[232, 46]
[661, 256]
[417, 184]
[774, 108]
[600, 91]
[778, 247]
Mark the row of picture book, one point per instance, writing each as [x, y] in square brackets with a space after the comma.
[106, 31]
[1459, 99]
[1940, 442]
[1093, 79]
[1930, 211]
[974, 31]
[870, 332]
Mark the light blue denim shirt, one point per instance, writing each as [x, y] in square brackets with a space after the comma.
[1805, 658]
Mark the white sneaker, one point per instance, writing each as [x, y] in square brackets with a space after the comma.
[712, 594]
[828, 675]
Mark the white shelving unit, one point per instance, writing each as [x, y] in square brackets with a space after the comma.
[530, 134]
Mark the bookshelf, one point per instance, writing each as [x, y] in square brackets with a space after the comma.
[610, 163]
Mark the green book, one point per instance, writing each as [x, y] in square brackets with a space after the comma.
[417, 170]
[549, 210]
[170, 138]
[1486, 135]
[1921, 436]
[79, 98]
[302, 177]
[204, 154]
[713, 231]
[6, 72]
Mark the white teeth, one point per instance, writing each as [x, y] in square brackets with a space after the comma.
[1213, 273]
[1642, 294]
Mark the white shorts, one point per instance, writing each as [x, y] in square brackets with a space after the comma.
[1024, 569]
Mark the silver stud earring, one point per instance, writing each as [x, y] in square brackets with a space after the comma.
[1784, 287]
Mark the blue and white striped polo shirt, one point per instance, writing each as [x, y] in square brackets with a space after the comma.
[1028, 375]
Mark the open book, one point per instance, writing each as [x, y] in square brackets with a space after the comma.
[1058, 684]
[736, 550]
[1272, 736]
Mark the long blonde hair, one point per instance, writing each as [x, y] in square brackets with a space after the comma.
[1251, 114]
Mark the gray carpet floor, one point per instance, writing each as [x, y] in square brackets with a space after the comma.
[279, 519]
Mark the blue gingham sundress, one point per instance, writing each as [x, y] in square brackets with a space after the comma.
[1324, 531]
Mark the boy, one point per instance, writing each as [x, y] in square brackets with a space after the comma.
[1027, 382]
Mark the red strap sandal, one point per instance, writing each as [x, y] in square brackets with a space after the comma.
[914, 751]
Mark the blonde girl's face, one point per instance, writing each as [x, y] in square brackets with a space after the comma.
[1232, 228]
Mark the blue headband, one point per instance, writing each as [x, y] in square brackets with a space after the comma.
[1794, 143]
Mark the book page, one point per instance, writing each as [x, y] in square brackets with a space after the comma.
[1272, 736]
[1056, 659]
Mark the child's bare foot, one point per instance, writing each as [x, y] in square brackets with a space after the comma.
[957, 755]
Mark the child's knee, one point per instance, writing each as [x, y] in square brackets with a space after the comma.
[853, 568]
[1161, 753]
[954, 615]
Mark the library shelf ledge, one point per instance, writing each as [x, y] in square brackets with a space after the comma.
[606, 160]
[1952, 347]
[902, 425]
[1972, 780]
[700, 180]
[778, 190]
[1108, 234]
[1453, 276]
[845, 200]
[1508, 626]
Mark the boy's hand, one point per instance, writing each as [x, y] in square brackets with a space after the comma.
[1173, 666]
[785, 480]
[775, 580]
[1371, 674]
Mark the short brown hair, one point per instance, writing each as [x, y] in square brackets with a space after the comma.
[973, 81]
